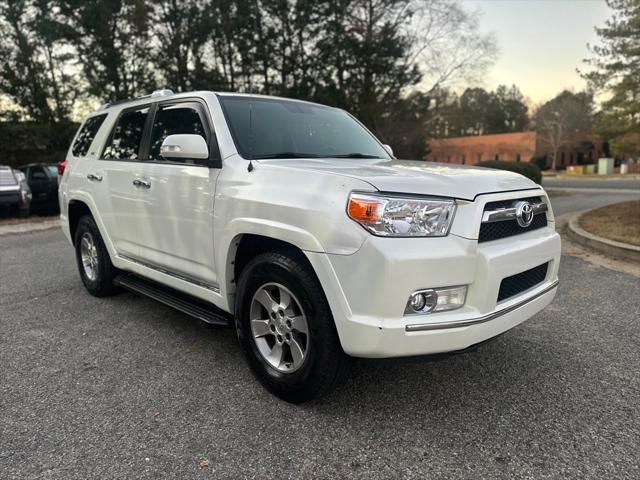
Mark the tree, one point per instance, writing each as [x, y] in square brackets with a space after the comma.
[615, 67]
[405, 125]
[558, 120]
[113, 40]
[480, 112]
[377, 51]
[35, 60]
[182, 30]
[509, 112]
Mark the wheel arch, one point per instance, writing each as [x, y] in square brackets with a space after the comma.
[246, 246]
[79, 207]
[75, 211]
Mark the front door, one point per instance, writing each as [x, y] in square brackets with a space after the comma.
[175, 226]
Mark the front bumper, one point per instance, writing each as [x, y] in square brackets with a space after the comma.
[10, 199]
[368, 291]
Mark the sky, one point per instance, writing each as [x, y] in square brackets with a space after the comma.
[541, 42]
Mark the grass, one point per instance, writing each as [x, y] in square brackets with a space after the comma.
[620, 222]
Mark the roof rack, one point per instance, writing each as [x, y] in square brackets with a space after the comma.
[156, 93]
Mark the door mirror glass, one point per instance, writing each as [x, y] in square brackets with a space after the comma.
[184, 146]
[388, 149]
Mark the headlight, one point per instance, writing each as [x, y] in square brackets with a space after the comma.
[390, 216]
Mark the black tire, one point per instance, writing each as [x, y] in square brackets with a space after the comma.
[102, 285]
[325, 364]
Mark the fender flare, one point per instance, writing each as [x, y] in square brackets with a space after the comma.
[88, 201]
[238, 227]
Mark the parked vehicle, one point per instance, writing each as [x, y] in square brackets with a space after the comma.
[43, 182]
[15, 194]
[291, 221]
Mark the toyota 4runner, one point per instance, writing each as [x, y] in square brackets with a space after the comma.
[291, 221]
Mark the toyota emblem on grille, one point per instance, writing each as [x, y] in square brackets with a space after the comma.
[524, 213]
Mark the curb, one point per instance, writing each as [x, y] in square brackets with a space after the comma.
[29, 227]
[602, 245]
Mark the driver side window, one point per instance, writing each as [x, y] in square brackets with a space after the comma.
[174, 119]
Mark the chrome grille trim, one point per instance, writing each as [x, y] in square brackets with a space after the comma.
[503, 214]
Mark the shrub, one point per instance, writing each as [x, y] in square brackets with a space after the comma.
[529, 170]
[540, 162]
[30, 142]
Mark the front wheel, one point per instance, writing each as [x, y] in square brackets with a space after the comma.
[286, 328]
[95, 267]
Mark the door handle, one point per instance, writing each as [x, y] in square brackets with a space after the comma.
[142, 183]
[94, 178]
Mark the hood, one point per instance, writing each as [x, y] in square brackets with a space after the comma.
[416, 177]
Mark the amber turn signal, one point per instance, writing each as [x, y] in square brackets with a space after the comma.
[364, 210]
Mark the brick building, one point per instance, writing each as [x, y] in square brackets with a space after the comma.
[515, 147]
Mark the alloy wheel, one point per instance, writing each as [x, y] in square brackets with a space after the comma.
[279, 327]
[89, 256]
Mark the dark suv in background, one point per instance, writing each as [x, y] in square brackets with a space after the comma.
[15, 194]
[43, 182]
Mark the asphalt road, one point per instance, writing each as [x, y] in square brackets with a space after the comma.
[585, 199]
[127, 388]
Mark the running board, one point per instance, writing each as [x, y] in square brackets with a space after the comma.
[200, 309]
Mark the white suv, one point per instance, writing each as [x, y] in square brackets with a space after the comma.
[291, 221]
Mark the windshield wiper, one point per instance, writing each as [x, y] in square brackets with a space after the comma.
[354, 155]
[285, 155]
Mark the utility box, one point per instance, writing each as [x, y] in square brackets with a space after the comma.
[590, 169]
[605, 166]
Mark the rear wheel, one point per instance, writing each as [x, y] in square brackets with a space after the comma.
[95, 267]
[286, 328]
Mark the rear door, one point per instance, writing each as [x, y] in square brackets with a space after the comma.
[115, 178]
[175, 224]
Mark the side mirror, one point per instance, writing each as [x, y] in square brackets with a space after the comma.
[185, 146]
[388, 149]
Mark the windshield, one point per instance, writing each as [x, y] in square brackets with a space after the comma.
[272, 128]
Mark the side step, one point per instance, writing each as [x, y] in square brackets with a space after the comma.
[195, 307]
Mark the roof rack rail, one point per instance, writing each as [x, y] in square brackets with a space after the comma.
[156, 93]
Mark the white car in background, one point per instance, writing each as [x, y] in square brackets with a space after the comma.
[291, 221]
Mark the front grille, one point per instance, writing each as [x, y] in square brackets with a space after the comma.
[509, 228]
[520, 282]
[509, 203]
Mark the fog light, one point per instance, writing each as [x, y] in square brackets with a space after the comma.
[436, 300]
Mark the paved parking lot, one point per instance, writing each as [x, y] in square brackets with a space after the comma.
[127, 388]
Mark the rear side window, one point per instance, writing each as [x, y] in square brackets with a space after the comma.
[174, 120]
[37, 173]
[86, 135]
[126, 137]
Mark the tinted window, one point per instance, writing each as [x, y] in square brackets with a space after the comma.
[86, 135]
[37, 173]
[264, 127]
[127, 135]
[175, 120]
